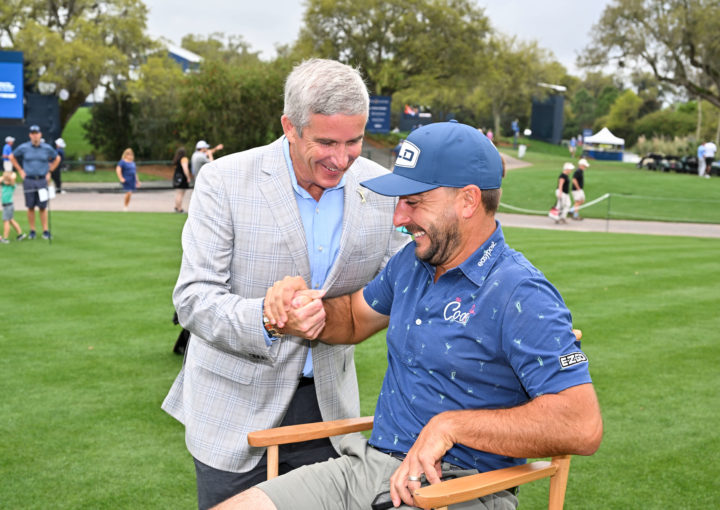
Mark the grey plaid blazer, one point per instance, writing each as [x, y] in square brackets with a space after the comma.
[242, 234]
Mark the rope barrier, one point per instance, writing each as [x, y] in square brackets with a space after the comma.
[533, 211]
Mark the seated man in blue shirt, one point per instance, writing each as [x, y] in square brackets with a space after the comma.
[483, 367]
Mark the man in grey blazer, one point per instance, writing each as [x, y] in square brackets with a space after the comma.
[294, 207]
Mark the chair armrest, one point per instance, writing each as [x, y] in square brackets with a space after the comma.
[476, 486]
[308, 431]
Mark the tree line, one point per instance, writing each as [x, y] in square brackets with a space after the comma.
[439, 55]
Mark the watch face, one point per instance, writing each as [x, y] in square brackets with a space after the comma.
[271, 331]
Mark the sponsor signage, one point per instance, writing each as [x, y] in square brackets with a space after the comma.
[379, 118]
[11, 85]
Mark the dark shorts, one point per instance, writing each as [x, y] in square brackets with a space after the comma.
[180, 181]
[31, 187]
[130, 184]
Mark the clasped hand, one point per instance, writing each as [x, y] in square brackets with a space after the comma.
[295, 309]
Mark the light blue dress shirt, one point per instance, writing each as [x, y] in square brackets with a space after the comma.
[322, 221]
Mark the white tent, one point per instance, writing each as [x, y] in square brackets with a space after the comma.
[604, 136]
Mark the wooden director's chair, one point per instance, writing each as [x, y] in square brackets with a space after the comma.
[437, 496]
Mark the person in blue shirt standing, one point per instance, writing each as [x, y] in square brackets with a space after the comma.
[127, 175]
[7, 150]
[38, 160]
[483, 367]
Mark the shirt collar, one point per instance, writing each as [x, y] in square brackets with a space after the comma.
[478, 265]
[293, 178]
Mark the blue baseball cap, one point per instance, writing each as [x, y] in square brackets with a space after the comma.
[446, 154]
[34, 128]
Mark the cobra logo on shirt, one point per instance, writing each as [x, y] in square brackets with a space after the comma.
[453, 313]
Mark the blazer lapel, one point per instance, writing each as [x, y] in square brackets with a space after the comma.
[276, 187]
[354, 197]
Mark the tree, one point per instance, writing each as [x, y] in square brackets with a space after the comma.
[77, 45]
[230, 49]
[398, 43]
[676, 39]
[623, 114]
[510, 78]
[109, 129]
[238, 106]
[156, 121]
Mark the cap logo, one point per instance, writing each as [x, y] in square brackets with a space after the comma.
[408, 156]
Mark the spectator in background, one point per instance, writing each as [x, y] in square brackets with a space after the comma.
[57, 173]
[181, 177]
[710, 150]
[701, 160]
[490, 135]
[203, 154]
[578, 188]
[8, 209]
[7, 150]
[563, 193]
[572, 146]
[38, 160]
[127, 175]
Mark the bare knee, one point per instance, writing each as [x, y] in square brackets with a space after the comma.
[252, 498]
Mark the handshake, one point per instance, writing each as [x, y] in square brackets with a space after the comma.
[294, 309]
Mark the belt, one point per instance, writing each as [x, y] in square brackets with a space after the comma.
[35, 177]
[306, 381]
[8, 203]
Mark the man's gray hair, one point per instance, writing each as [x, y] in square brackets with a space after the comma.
[326, 87]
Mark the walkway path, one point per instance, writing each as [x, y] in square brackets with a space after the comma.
[157, 196]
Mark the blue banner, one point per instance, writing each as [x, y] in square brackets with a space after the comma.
[11, 85]
[379, 118]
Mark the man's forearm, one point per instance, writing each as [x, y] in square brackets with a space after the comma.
[339, 324]
[567, 422]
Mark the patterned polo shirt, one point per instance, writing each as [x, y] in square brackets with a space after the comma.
[491, 333]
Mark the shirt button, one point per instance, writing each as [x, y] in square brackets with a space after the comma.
[320, 248]
[418, 321]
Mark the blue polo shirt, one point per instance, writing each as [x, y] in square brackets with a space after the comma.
[35, 160]
[491, 333]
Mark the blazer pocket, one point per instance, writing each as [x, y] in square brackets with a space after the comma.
[229, 366]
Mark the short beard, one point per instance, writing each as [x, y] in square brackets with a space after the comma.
[444, 242]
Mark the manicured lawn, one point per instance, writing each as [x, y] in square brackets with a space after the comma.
[74, 135]
[86, 340]
[635, 193]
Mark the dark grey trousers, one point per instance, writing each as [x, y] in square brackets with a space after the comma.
[215, 486]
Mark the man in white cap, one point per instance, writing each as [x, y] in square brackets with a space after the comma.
[56, 174]
[563, 193]
[483, 367]
[203, 154]
[38, 160]
[578, 188]
[7, 150]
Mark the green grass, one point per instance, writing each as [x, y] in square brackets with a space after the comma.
[86, 340]
[103, 175]
[74, 135]
[635, 193]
